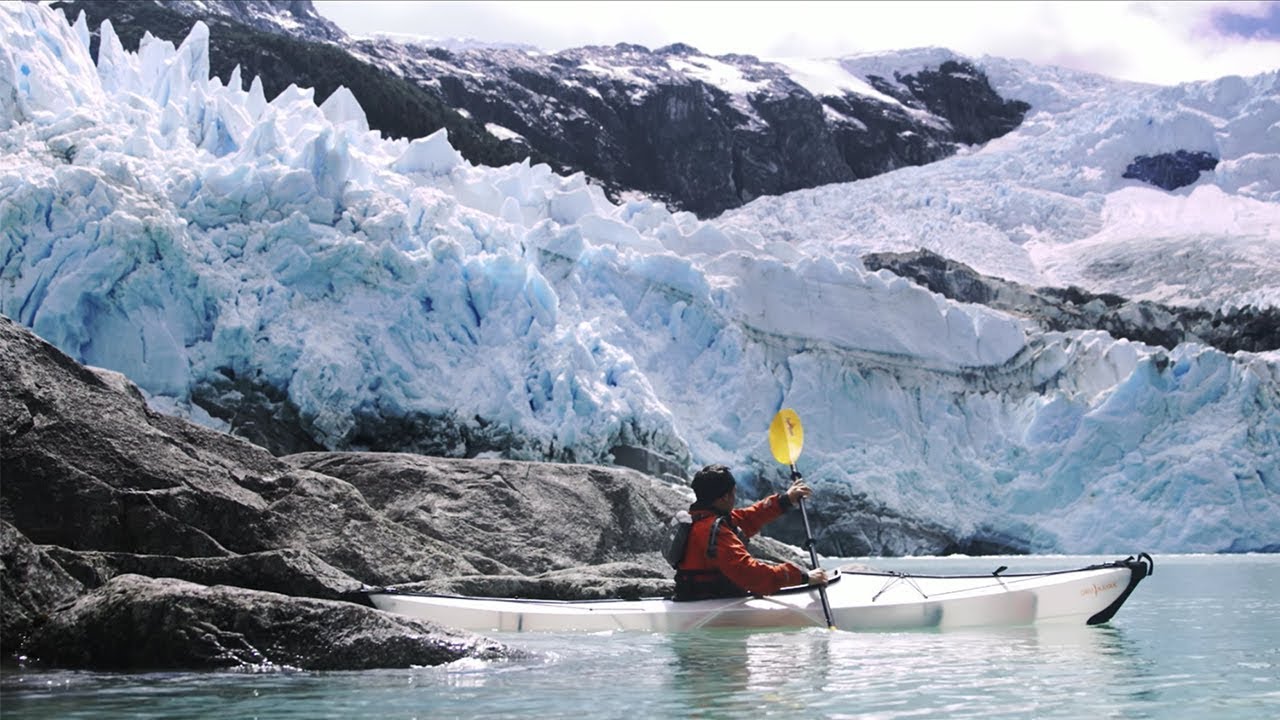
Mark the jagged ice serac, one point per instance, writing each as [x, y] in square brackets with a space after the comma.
[203, 240]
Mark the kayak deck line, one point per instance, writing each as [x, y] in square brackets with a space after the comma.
[834, 576]
[860, 599]
[1148, 568]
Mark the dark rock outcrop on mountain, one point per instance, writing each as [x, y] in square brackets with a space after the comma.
[883, 137]
[1247, 328]
[1170, 171]
[100, 493]
[959, 93]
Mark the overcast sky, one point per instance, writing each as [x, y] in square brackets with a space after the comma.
[1159, 42]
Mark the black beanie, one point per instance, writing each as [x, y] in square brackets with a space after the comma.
[711, 482]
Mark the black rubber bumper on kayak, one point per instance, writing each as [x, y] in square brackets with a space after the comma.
[1139, 568]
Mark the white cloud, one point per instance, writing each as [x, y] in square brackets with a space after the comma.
[1161, 42]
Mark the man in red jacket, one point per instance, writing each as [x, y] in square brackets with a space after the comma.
[716, 561]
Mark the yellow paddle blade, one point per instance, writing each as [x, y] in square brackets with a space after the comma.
[786, 436]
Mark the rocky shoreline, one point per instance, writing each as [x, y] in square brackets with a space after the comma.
[131, 540]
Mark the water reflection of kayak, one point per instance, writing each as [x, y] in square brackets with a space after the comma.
[861, 599]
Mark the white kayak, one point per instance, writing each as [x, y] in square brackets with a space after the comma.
[860, 600]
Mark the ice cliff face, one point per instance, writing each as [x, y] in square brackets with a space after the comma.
[276, 268]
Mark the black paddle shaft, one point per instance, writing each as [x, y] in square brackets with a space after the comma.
[813, 554]
[808, 536]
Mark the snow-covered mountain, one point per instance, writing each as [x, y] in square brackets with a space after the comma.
[710, 133]
[295, 17]
[277, 269]
[702, 133]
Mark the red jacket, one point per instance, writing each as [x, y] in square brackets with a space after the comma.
[732, 558]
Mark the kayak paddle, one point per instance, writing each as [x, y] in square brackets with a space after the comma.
[786, 440]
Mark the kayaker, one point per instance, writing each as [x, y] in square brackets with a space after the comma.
[716, 560]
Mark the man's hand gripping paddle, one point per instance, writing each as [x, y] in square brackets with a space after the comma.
[786, 440]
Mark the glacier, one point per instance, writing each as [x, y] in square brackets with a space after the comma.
[200, 238]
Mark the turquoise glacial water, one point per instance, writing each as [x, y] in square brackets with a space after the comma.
[1198, 639]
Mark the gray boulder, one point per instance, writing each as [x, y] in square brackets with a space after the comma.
[31, 586]
[139, 623]
[507, 516]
